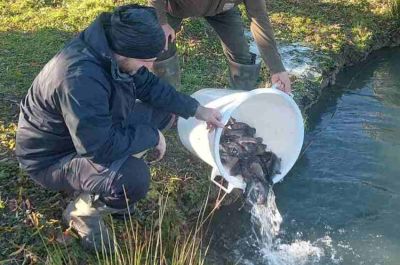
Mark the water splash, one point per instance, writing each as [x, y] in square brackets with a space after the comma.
[267, 220]
[299, 59]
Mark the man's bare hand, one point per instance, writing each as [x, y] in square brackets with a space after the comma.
[211, 116]
[282, 81]
[161, 147]
[169, 33]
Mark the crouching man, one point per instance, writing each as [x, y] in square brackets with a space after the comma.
[81, 128]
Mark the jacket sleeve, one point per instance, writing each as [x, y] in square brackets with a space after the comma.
[84, 104]
[160, 94]
[263, 34]
[160, 6]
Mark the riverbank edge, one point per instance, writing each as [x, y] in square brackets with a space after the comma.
[348, 58]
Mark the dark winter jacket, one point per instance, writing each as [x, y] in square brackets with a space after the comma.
[79, 103]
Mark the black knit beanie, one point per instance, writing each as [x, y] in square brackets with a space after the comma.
[134, 32]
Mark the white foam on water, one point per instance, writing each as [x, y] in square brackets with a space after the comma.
[267, 221]
[298, 252]
[298, 59]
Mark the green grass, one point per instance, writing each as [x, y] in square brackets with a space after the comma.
[395, 9]
[329, 26]
[136, 243]
[32, 31]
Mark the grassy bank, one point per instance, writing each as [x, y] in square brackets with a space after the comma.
[31, 32]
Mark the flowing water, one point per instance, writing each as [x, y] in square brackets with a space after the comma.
[340, 204]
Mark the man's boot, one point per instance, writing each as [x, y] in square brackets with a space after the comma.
[169, 70]
[244, 76]
[85, 216]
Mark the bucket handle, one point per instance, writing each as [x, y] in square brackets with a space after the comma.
[214, 174]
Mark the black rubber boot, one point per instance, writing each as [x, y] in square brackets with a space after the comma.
[169, 70]
[244, 76]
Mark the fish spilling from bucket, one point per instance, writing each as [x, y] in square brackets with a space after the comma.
[247, 156]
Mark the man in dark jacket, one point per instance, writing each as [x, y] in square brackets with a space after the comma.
[81, 129]
[225, 18]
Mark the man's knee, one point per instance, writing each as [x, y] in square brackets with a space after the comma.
[168, 122]
[131, 182]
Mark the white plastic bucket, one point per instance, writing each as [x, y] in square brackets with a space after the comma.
[274, 114]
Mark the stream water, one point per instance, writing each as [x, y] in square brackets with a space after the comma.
[340, 204]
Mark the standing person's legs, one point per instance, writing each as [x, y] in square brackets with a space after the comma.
[244, 71]
[167, 64]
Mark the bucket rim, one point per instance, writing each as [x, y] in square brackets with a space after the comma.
[227, 111]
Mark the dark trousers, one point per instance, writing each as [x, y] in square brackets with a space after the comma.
[78, 174]
[230, 29]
